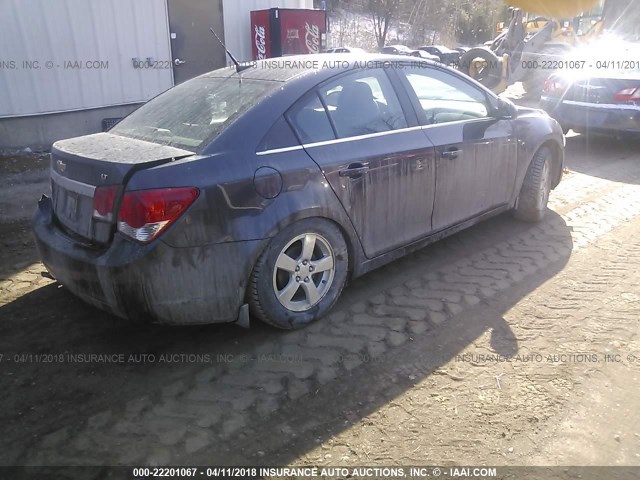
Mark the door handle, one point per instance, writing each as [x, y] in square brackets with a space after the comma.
[451, 154]
[354, 171]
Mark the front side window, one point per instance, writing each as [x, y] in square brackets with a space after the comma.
[187, 115]
[363, 102]
[444, 97]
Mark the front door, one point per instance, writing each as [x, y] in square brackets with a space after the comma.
[475, 153]
[381, 169]
[194, 49]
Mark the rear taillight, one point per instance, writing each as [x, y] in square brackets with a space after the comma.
[144, 214]
[554, 86]
[631, 94]
[104, 200]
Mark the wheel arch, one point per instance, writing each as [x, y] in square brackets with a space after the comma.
[264, 305]
[354, 247]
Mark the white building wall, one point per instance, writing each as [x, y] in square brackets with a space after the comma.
[105, 33]
[237, 22]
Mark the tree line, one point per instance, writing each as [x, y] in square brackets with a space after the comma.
[452, 22]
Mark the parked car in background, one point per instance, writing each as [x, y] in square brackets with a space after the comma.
[345, 50]
[396, 50]
[425, 55]
[404, 50]
[602, 100]
[462, 50]
[220, 196]
[445, 54]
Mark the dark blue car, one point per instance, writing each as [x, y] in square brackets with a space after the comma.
[264, 191]
[602, 101]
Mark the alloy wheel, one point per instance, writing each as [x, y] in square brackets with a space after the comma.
[303, 272]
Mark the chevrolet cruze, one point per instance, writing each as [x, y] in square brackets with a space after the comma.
[262, 192]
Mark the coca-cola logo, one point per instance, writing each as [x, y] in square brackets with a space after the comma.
[260, 39]
[312, 38]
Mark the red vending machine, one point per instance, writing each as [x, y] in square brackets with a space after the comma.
[285, 31]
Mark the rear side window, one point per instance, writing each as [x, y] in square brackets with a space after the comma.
[279, 135]
[362, 103]
[309, 119]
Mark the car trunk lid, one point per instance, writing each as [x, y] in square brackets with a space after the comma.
[80, 165]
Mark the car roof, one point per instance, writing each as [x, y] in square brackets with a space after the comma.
[260, 70]
[284, 69]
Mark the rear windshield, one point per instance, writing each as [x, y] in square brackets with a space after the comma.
[188, 115]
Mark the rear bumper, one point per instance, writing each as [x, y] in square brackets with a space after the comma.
[594, 117]
[153, 282]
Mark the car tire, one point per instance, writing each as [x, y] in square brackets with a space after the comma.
[493, 74]
[531, 204]
[300, 274]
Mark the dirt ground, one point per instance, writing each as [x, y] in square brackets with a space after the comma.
[506, 344]
[21, 177]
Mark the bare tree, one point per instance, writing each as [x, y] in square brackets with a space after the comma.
[382, 12]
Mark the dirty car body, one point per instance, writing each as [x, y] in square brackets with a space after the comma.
[165, 217]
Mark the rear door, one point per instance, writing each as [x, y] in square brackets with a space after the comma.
[475, 153]
[376, 160]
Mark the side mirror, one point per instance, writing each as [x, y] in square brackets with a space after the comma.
[505, 109]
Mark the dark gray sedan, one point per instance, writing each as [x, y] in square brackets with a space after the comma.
[266, 190]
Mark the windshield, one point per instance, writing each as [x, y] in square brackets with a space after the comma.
[193, 112]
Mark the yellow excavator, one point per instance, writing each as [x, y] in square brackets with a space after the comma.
[534, 42]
